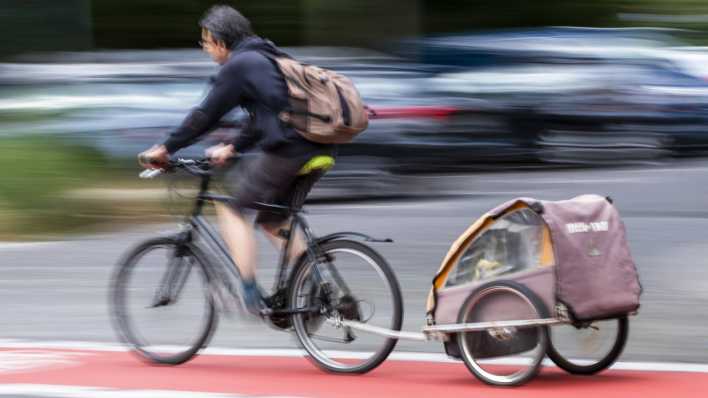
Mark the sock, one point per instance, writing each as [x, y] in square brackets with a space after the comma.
[250, 282]
[250, 286]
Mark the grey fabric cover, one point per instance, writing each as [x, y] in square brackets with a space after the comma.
[540, 281]
[596, 277]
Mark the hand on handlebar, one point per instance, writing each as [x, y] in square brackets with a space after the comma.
[154, 158]
[220, 154]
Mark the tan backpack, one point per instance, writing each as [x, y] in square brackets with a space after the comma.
[325, 107]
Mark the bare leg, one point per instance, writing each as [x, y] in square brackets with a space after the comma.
[297, 245]
[240, 237]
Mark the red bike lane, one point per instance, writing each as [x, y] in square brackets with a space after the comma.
[259, 376]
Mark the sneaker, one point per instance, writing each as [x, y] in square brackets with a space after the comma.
[252, 298]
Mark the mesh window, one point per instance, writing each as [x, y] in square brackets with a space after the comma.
[512, 244]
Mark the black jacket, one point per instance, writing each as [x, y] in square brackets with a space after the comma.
[251, 80]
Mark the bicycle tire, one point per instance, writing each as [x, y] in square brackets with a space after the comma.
[468, 358]
[298, 277]
[600, 365]
[122, 320]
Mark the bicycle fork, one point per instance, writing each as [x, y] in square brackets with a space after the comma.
[173, 280]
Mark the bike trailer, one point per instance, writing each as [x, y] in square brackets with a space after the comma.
[571, 252]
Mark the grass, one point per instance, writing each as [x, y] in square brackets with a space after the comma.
[35, 173]
[51, 187]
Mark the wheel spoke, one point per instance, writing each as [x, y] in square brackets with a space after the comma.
[588, 348]
[353, 273]
[505, 356]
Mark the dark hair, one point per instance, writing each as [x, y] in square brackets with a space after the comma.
[226, 25]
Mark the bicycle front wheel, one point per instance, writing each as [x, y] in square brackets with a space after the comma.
[353, 282]
[160, 301]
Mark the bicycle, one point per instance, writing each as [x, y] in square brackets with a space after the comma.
[196, 273]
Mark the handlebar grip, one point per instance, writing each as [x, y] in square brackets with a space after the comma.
[147, 174]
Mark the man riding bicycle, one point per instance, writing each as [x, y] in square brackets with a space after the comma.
[249, 78]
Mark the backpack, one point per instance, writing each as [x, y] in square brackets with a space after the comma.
[324, 106]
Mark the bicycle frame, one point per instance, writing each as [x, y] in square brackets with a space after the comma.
[196, 223]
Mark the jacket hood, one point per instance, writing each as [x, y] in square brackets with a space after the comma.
[255, 43]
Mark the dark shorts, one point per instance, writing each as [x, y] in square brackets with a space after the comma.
[266, 178]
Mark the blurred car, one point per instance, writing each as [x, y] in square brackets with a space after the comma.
[577, 96]
[450, 104]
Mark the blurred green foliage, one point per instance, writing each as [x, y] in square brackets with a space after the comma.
[37, 174]
[45, 25]
[171, 23]
[150, 24]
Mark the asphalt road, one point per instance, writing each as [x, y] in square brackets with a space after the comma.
[58, 290]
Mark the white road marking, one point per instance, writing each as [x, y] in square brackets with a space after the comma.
[669, 170]
[32, 359]
[27, 245]
[61, 391]
[289, 352]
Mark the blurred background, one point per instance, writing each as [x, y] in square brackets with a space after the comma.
[478, 101]
[460, 87]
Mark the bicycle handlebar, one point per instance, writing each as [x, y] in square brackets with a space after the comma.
[196, 167]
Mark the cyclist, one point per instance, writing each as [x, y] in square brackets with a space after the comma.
[247, 78]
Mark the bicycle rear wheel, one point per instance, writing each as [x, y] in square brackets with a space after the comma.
[354, 282]
[160, 301]
[586, 349]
